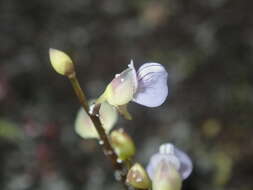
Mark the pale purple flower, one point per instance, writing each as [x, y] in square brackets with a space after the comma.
[147, 86]
[172, 156]
[152, 88]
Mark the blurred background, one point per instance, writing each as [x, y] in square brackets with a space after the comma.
[207, 48]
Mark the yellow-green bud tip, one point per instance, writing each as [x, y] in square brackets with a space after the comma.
[61, 62]
[138, 177]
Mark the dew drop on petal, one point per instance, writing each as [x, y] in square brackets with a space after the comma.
[101, 142]
[121, 130]
[138, 180]
[119, 161]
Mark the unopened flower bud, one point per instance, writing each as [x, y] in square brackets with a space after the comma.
[61, 62]
[122, 144]
[166, 177]
[138, 177]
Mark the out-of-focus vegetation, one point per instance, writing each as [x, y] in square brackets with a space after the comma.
[207, 47]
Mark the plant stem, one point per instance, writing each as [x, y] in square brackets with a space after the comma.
[107, 148]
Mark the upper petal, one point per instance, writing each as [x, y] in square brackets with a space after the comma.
[152, 85]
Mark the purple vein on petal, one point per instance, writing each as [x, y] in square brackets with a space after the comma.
[143, 69]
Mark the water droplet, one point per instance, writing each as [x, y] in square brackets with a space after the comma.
[101, 142]
[91, 108]
[121, 130]
[109, 152]
[117, 175]
[117, 75]
[97, 115]
[119, 161]
[122, 80]
[139, 180]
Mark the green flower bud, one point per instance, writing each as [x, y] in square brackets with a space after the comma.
[138, 177]
[122, 144]
[166, 177]
[61, 62]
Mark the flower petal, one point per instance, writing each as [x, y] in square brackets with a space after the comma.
[152, 85]
[185, 163]
[122, 88]
[172, 155]
[108, 116]
[157, 158]
[84, 126]
[166, 177]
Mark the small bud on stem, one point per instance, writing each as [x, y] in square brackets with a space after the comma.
[138, 177]
[123, 144]
[61, 62]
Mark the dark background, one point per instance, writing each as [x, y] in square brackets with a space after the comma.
[206, 46]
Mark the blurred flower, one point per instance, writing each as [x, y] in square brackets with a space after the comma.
[85, 127]
[147, 86]
[169, 153]
[156, 13]
[168, 168]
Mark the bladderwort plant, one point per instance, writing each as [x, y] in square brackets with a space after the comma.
[147, 86]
